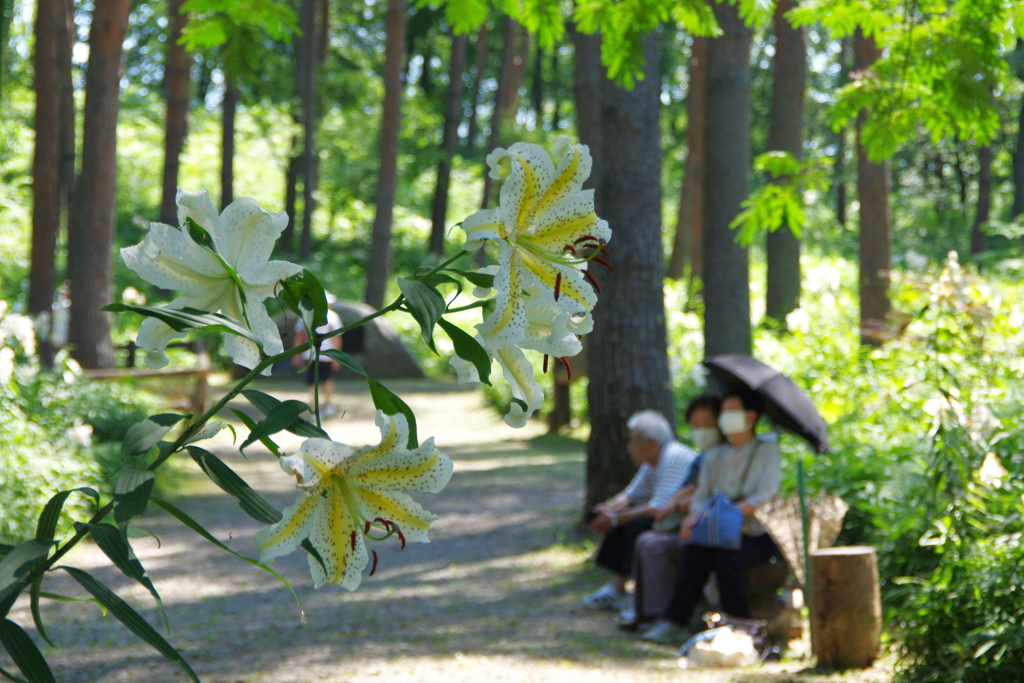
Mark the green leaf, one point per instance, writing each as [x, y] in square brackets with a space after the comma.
[186, 319]
[11, 677]
[280, 417]
[15, 567]
[124, 613]
[34, 592]
[48, 519]
[199, 234]
[131, 493]
[266, 404]
[468, 348]
[304, 295]
[196, 527]
[119, 551]
[426, 305]
[228, 481]
[386, 400]
[484, 280]
[251, 425]
[146, 434]
[346, 361]
[25, 653]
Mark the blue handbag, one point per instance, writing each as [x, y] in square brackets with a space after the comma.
[719, 522]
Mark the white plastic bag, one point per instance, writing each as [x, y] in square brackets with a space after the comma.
[720, 647]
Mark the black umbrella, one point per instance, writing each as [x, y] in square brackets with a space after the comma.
[785, 404]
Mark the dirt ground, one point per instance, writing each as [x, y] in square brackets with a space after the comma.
[495, 597]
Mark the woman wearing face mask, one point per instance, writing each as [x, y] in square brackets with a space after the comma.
[747, 471]
[656, 553]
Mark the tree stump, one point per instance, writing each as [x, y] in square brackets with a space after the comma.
[846, 606]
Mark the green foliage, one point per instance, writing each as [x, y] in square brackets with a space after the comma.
[238, 27]
[779, 202]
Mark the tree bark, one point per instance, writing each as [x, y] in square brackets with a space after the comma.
[873, 181]
[474, 103]
[985, 157]
[449, 143]
[686, 247]
[587, 91]
[727, 184]
[839, 169]
[786, 134]
[537, 85]
[504, 97]
[46, 160]
[66, 37]
[626, 352]
[178, 74]
[229, 106]
[1018, 165]
[387, 180]
[291, 195]
[91, 231]
[307, 53]
[846, 606]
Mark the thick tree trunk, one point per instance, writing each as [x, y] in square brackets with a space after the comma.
[307, 48]
[587, 89]
[229, 107]
[474, 103]
[537, 85]
[726, 185]
[449, 143]
[46, 160]
[387, 180]
[66, 37]
[291, 196]
[556, 89]
[505, 96]
[875, 220]
[91, 232]
[985, 157]
[839, 168]
[687, 247]
[786, 134]
[177, 77]
[626, 352]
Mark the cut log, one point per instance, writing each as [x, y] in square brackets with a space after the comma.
[846, 606]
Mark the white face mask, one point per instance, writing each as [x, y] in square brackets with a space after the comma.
[706, 438]
[733, 421]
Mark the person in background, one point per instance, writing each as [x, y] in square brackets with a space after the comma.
[664, 464]
[746, 470]
[656, 553]
[323, 368]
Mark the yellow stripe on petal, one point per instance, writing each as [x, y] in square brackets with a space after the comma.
[285, 536]
[399, 508]
[563, 185]
[531, 193]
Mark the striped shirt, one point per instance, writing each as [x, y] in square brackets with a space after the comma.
[656, 485]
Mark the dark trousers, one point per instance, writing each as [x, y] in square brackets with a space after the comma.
[617, 548]
[730, 568]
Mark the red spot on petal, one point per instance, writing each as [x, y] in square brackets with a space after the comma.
[353, 537]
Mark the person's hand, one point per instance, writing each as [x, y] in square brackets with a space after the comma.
[601, 523]
[686, 529]
[747, 509]
[662, 513]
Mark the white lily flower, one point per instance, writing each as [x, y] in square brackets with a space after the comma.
[234, 281]
[346, 493]
[546, 231]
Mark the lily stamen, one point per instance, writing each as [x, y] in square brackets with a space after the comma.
[373, 568]
[568, 368]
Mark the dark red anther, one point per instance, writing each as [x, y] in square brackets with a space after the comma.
[373, 568]
[558, 285]
[353, 536]
[366, 527]
[592, 280]
[568, 368]
[602, 261]
[585, 237]
[545, 363]
[570, 248]
[401, 536]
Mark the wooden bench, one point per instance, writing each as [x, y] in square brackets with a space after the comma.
[197, 401]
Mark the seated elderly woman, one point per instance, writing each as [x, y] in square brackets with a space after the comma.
[746, 470]
[664, 465]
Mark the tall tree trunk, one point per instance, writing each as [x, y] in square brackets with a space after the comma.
[873, 181]
[537, 85]
[449, 143]
[504, 97]
[727, 184]
[45, 164]
[177, 76]
[91, 232]
[1018, 165]
[687, 245]
[786, 134]
[556, 90]
[291, 196]
[66, 37]
[307, 48]
[839, 168]
[981, 216]
[474, 99]
[627, 350]
[387, 179]
[229, 107]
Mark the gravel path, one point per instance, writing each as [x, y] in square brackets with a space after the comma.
[494, 597]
